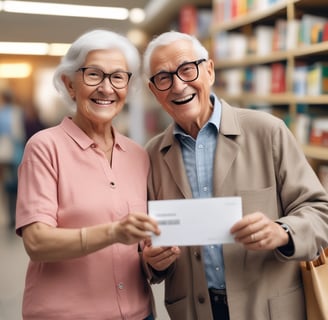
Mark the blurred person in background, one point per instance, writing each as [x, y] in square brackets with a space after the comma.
[32, 121]
[12, 141]
[82, 194]
[214, 150]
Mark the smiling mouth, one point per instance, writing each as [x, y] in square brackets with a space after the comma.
[184, 100]
[102, 102]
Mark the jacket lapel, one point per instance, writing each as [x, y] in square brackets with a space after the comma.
[227, 147]
[174, 161]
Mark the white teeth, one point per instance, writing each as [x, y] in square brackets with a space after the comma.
[103, 102]
[184, 99]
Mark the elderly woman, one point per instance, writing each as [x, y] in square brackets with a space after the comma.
[82, 196]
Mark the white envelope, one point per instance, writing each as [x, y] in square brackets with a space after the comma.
[187, 222]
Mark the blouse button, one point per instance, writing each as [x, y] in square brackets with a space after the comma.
[120, 286]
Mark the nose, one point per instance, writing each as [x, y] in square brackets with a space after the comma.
[105, 85]
[177, 84]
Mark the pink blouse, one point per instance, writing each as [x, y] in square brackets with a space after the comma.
[65, 181]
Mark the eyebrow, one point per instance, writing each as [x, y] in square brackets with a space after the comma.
[99, 68]
[186, 61]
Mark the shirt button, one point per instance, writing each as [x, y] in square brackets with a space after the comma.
[120, 286]
[112, 184]
[201, 146]
[93, 145]
[217, 268]
[197, 255]
[205, 189]
[201, 299]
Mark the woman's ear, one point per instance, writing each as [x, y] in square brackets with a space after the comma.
[69, 85]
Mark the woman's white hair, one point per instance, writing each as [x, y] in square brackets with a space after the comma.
[96, 40]
[167, 38]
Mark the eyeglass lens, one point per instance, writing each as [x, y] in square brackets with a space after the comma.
[94, 76]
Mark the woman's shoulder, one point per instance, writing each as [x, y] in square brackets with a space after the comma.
[44, 135]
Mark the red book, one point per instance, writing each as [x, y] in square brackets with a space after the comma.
[234, 8]
[325, 32]
[188, 19]
[278, 78]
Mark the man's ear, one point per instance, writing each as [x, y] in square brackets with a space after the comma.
[211, 71]
[69, 86]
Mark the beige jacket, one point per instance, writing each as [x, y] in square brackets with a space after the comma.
[258, 159]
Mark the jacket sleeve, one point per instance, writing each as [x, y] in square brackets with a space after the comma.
[304, 200]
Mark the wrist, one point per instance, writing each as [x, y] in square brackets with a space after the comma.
[288, 248]
[111, 233]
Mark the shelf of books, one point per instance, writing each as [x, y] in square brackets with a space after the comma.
[273, 55]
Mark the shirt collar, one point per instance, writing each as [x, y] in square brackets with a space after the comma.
[214, 118]
[83, 140]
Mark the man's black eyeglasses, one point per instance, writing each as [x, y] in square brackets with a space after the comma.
[94, 76]
[186, 72]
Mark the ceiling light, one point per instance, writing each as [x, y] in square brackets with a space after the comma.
[34, 48]
[58, 49]
[137, 15]
[71, 10]
[15, 70]
[137, 37]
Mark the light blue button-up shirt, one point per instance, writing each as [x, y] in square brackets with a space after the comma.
[198, 156]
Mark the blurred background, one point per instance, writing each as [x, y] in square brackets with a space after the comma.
[31, 46]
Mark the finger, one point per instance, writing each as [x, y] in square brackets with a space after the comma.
[152, 228]
[155, 251]
[143, 217]
[145, 223]
[147, 242]
[241, 224]
[166, 258]
[249, 230]
[176, 250]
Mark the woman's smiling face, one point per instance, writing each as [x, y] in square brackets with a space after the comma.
[100, 103]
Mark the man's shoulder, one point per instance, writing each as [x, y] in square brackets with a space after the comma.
[162, 139]
[258, 118]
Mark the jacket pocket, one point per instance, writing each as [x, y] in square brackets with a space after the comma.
[177, 309]
[289, 306]
[263, 200]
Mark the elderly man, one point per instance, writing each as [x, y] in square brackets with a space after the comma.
[212, 150]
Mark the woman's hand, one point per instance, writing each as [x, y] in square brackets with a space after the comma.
[134, 228]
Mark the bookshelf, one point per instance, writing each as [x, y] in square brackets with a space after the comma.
[294, 18]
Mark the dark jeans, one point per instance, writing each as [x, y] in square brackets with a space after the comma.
[219, 305]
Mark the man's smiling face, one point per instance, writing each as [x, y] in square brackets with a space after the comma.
[187, 103]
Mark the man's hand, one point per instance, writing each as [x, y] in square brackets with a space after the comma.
[257, 232]
[160, 258]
